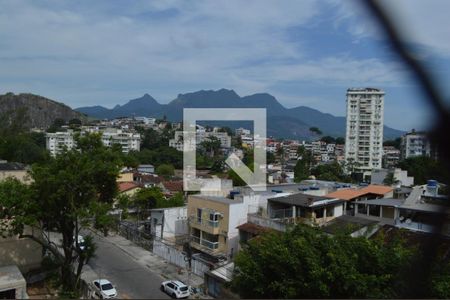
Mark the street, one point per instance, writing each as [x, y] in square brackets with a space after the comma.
[131, 279]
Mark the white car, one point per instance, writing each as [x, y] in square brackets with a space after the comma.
[80, 242]
[175, 288]
[104, 289]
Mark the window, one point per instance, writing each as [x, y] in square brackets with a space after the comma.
[199, 215]
[330, 211]
[362, 208]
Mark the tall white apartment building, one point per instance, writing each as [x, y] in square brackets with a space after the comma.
[364, 133]
[55, 142]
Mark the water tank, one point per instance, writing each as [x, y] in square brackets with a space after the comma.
[432, 187]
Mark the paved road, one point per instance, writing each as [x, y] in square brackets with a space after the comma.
[131, 279]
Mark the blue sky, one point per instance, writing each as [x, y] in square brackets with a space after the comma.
[303, 52]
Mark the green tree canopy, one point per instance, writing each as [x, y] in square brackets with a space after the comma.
[66, 191]
[340, 141]
[424, 168]
[165, 170]
[307, 263]
[302, 169]
[328, 139]
[331, 171]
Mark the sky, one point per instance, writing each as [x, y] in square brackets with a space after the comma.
[86, 53]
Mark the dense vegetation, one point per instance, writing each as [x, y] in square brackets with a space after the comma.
[17, 143]
[424, 168]
[66, 191]
[307, 263]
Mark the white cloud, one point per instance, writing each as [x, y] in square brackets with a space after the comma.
[103, 52]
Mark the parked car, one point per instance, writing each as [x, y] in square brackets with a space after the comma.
[104, 289]
[175, 288]
[80, 242]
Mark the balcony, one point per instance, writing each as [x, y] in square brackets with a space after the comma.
[207, 225]
[211, 248]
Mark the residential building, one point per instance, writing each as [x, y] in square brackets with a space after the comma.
[304, 208]
[400, 176]
[353, 196]
[14, 170]
[146, 169]
[127, 140]
[213, 222]
[56, 142]
[170, 224]
[125, 177]
[128, 188]
[391, 157]
[201, 135]
[415, 144]
[242, 131]
[364, 132]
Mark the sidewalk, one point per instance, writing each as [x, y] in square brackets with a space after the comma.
[155, 263]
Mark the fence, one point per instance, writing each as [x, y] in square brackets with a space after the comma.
[177, 258]
[131, 232]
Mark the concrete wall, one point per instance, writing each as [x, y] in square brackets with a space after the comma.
[175, 222]
[125, 177]
[25, 253]
[21, 175]
[338, 210]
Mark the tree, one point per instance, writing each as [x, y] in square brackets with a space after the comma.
[340, 141]
[423, 168]
[315, 130]
[389, 179]
[165, 170]
[17, 143]
[57, 125]
[394, 143]
[211, 145]
[328, 139]
[307, 263]
[75, 122]
[148, 198]
[67, 190]
[302, 169]
[227, 130]
[331, 172]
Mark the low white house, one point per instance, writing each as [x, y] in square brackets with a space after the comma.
[169, 223]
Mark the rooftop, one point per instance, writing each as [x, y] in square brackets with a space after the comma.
[345, 222]
[383, 202]
[10, 277]
[224, 272]
[252, 228]
[11, 166]
[126, 186]
[349, 194]
[305, 200]
[217, 199]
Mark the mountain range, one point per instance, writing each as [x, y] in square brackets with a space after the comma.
[40, 111]
[282, 122]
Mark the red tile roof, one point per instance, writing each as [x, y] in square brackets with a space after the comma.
[173, 186]
[126, 186]
[350, 194]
